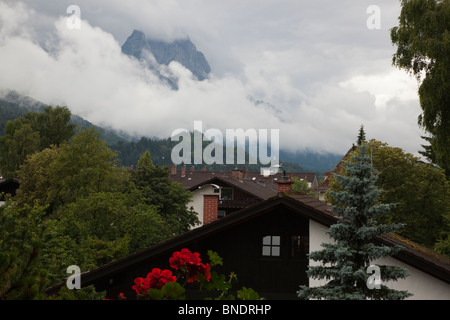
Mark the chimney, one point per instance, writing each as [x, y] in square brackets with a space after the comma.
[237, 174]
[210, 208]
[284, 185]
[204, 169]
[173, 170]
[192, 169]
[183, 171]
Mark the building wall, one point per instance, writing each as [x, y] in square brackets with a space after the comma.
[422, 285]
[197, 200]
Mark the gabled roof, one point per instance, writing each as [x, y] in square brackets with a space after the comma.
[337, 170]
[305, 205]
[246, 185]
[252, 182]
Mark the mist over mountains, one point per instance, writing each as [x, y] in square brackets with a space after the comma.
[14, 105]
[157, 54]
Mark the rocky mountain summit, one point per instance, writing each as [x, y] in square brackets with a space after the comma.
[182, 51]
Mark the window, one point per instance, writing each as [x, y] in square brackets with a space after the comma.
[221, 213]
[226, 194]
[271, 246]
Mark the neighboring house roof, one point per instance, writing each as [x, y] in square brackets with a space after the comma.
[304, 205]
[247, 185]
[251, 182]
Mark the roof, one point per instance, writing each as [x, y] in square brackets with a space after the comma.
[251, 182]
[254, 188]
[305, 205]
[337, 170]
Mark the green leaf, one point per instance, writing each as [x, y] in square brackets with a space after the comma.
[174, 291]
[247, 294]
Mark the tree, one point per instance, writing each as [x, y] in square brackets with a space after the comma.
[361, 136]
[18, 142]
[32, 133]
[52, 125]
[34, 176]
[23, 234]
[345, 261]
[82, 166]
[423, 49]
[301, 186]
[168, 197]
[419, 190]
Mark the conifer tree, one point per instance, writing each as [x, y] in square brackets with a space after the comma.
[345, 261]
[361, 135]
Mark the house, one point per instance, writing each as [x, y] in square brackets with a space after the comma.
[218, 194]
[266, 245]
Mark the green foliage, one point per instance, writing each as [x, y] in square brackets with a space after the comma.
[420, 192]
[170, 291]
[32, 133]
[86, 293]
[361, 136]
[23, 233]
[345, 261]
[423, 49]
[52, 125]
[96, 211]
[168, 197]
[248, 294]
[18, 142]
[82, 166]
[301, 186]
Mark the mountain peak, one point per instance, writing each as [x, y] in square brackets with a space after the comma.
[182, 51]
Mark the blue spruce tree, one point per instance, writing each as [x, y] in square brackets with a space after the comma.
[345, 263]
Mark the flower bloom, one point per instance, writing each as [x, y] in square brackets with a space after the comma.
[190, 265]
[156, 279]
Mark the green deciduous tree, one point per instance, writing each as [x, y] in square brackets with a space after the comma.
[168, 197]
[18, 142]
[423, 49]
[52, 125]
[344, 262]
[420, 192]
[32, 133]
[23, 234]
[82, 166]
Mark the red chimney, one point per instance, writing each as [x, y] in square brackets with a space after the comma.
[210, 208]
[173, 170]
[183, 171]
[237, 174]
[284, 185]
[204, 169]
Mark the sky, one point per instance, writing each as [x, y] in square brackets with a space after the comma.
[323, 68]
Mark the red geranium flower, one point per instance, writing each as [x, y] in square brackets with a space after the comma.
[154, 280]
[190, 265]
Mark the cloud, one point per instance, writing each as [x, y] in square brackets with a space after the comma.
[319, 79]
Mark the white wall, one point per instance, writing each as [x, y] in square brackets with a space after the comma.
[422, 285]
[197, 201]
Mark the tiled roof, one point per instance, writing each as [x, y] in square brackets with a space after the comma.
[251, 182]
